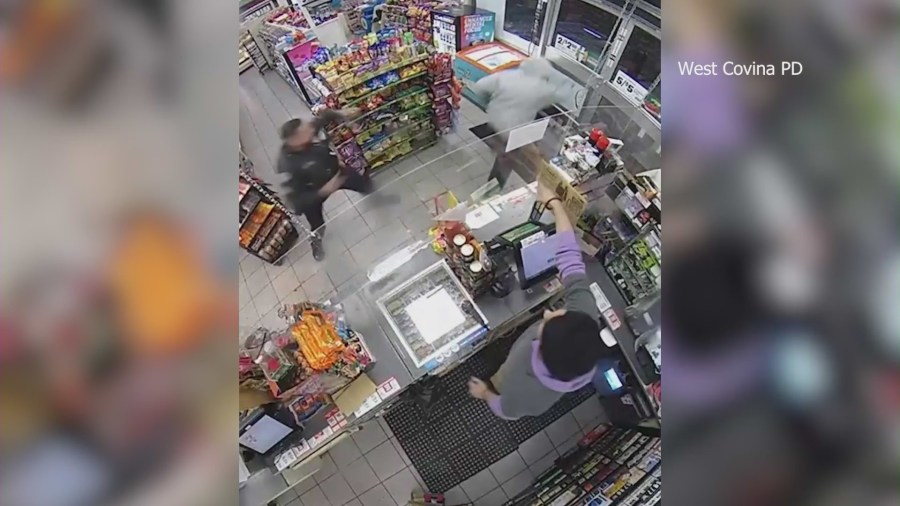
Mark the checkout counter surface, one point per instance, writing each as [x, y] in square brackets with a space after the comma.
[391, 360]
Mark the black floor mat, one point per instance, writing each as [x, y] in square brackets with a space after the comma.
[460, 436]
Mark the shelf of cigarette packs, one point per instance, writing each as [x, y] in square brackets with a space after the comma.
[266, 227]
[609, 466]
[405, 95]
[410, 15]
[313, 356]
[636, 267]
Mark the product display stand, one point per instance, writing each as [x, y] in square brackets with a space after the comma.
[252, 15]
[609, 466]
[267, 228]
[250, 54]
[410, 16]
[406, 94]
[289, 42]
[636, 267]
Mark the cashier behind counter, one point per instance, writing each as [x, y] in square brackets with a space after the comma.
[557, 354]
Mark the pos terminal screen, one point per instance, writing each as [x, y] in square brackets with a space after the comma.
[538, 255]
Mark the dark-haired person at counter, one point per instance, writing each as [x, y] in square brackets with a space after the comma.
[558, 354]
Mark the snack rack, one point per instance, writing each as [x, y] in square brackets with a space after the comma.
[410, 15]
[403, 90]
[250, 54]
[267, 228]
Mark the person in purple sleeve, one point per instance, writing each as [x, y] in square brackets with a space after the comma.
[557, 354]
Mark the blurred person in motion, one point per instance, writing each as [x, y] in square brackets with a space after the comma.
[315, 171]
[559, 353]
[514, 97]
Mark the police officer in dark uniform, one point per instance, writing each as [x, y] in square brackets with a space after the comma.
[315, 172]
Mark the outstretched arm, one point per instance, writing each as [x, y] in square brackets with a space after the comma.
[485, 87]
[328, 116]
[479, 390]
[568, 254]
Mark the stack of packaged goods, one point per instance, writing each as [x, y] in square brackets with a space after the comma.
[468, 259]
[265, 229]
[411, 15]
[279, 24]
[445, 91]
[289, 18]
[389, 77]
[314, 357]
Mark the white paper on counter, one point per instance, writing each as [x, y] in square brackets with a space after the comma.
[264, 434]
[480, 216]
[435, 315]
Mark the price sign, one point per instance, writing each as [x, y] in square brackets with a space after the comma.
[570, 48]
[631, 89]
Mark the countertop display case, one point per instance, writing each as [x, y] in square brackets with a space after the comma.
[432, 315]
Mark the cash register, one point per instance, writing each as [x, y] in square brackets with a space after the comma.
[531, 247]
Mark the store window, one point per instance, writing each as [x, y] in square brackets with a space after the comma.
[648, 17]
[640, 59]
[582, 31]
[519, 19]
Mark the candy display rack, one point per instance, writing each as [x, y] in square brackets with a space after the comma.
[405, 92]
[267, 228]
[411, 16]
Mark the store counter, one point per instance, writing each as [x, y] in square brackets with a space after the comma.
[393, 364]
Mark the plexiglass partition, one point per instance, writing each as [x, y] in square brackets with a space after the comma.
[367, 238]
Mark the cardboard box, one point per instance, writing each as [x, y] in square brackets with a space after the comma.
[572, 199]
[351, 397]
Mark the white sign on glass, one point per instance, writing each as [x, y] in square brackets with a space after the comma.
[526, 134]
[629, 88]
[570, 48]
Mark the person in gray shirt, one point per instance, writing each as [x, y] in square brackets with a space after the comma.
[513, 98]
[557, 354]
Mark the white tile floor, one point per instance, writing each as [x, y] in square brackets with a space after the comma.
[360, 230]
[371, 468]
